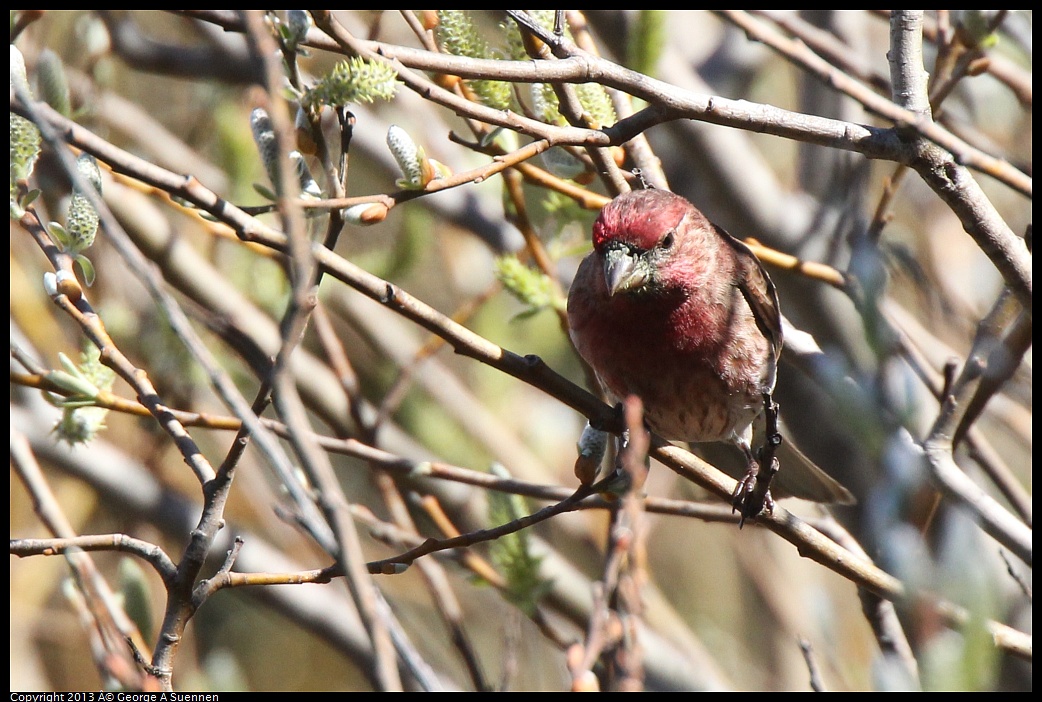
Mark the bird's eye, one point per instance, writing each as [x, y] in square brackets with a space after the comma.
[667, 241]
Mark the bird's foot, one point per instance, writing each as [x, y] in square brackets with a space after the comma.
[751, 496]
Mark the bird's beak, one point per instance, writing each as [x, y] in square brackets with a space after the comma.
[623, 270]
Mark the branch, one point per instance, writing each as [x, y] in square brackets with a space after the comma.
[902, 115]
[150, 553]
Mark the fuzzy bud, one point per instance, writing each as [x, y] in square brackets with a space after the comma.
[53, 84]
[308, 186]
[562, 163]
[529, 285]
[137, 597]
[18, 75]
[355, 80]
[264, 137]
[591, 448]
[366, 214]
[298, 24]
[81, 221]
[50, 284]
[409, 156]
[458, 35]
[66, 284]
[80, 425]
[25, 137]
[81, 421]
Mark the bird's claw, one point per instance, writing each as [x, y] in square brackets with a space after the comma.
[744, 498]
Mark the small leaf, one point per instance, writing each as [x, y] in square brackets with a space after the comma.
[60, 236]
[86, 268]
[526, 314]
[264, 191]
[68, 365]
[177, 199]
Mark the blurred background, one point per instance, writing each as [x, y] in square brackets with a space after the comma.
[722, 608]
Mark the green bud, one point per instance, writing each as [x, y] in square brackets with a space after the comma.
[137, 596]
[25, 137]
[458, 35]
[81, 422]
[512, 553]
[53, 84]
[974, 27]
[530, 286]
[545, 18]
[80, 425]
[352, 81]
[595, 101]
[646, 41]
[94, 370]
[81, 221]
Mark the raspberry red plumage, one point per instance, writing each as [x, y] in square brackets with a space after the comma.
[671, 308]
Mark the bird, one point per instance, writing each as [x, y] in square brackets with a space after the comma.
[671, 308]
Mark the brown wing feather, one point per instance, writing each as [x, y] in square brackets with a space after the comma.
[758, 289]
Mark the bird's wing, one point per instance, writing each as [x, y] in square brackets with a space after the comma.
[758, 290]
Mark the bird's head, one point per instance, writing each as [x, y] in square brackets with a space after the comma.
[637, 237]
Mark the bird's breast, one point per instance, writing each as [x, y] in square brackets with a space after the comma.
[698, 380]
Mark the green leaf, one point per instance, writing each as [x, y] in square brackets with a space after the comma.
[59, 235]
[86, 268]
[264, 191]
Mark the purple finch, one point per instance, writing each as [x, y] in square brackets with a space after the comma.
[671, 308]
